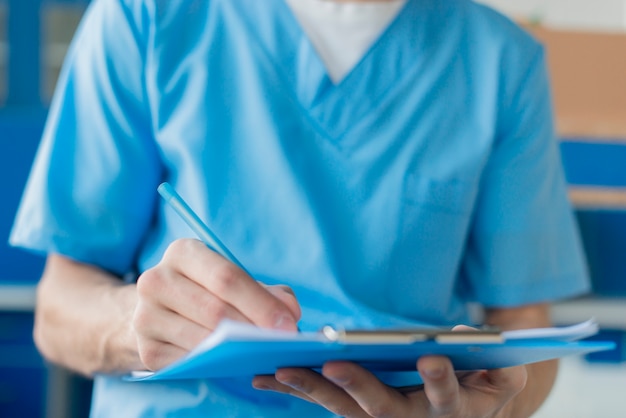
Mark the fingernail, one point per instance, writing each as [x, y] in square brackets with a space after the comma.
[285, 322]
[435, 372]
[294, 383]
[260, 386]
[340, 380]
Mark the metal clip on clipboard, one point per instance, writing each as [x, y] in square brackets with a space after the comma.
[410, 336]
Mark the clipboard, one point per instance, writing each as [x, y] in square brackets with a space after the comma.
[240, 350]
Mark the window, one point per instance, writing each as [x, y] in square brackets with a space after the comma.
[33, 44]
[59, 22]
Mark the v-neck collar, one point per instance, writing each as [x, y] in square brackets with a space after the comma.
[335, 107]
[342, 32]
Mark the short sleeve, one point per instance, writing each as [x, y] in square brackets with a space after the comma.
[524, 245]
[91, 192]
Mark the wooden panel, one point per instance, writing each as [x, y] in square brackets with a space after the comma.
[588, 72]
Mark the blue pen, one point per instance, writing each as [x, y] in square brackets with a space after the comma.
[195, 223]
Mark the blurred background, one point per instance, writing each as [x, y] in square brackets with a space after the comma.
[586, 45]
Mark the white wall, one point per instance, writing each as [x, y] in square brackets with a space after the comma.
[587, 390]
[603, 15]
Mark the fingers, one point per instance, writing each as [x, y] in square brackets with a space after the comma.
[343, 388]
[483, 392]
[167, 327]
[463, 328]
[440, 383]
[184, 297]
[156, 355]
[349, 390]
[286, 295]
[309, 385]
[511, 380]
[230, 284]
[373, 397]
[269, 382]
[165, 288]
[161, 345]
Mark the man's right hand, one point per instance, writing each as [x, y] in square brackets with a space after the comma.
[182, 299]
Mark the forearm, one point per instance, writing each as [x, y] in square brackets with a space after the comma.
[83, 318]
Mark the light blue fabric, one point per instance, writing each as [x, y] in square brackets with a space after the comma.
[427, 179]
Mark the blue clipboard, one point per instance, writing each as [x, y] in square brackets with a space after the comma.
[237, 350]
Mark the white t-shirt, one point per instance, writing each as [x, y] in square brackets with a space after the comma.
[342, 32]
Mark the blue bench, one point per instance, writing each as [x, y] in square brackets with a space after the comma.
[598, 169]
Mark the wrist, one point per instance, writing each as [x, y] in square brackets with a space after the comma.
[118, 352]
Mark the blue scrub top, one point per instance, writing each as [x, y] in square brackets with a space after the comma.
[427, 179]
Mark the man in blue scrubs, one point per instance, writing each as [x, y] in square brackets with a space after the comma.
[372, 164]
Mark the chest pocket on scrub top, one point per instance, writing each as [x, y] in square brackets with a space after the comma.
[436, 212]
[435, 217]
[452, 196]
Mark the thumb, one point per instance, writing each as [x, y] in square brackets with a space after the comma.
[510, 380]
